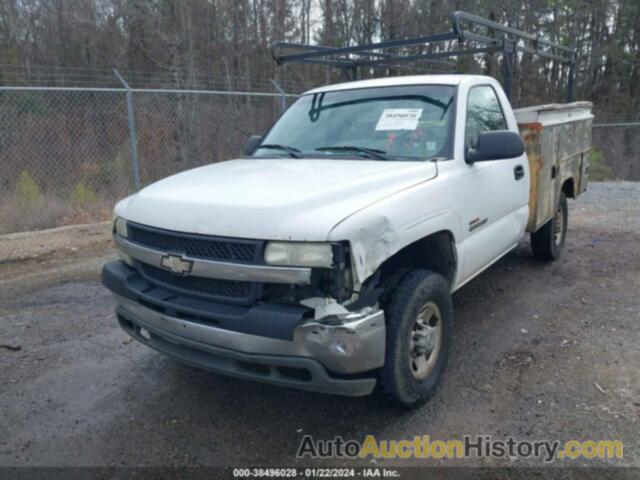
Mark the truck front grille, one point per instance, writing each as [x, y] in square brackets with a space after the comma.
[200, 246]
[206, 247]
[210, 287]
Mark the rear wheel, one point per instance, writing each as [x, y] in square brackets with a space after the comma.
[548, 242]
[419, 325]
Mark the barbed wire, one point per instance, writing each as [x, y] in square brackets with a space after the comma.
[20, 75]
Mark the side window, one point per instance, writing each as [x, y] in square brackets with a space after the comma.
[483, 114]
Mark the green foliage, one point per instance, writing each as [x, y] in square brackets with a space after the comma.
[27, 190]
[598, 170]
[115, 173]
[83, 195]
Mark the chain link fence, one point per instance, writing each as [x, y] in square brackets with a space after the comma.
[67, 155]
[616, 149]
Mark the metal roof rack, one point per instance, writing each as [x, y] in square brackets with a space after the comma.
[497, 38]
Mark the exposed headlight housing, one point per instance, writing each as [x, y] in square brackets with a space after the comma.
[120, 227]
[299, 254]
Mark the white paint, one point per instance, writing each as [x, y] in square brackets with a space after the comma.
[554, 113]
[273, 199]
[396, 82]
[459, 194]
[378, 207]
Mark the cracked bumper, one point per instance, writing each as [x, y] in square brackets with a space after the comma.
[253, 358]
[330, 357]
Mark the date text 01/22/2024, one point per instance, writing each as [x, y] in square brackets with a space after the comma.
[365, 472]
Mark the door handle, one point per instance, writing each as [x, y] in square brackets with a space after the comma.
[518, 172]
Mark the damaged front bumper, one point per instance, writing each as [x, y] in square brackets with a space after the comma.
[336, 355]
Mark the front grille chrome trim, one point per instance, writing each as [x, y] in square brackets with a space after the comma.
[218, 270]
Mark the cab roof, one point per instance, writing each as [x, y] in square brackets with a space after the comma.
[453, 80]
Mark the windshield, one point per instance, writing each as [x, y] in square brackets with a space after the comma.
[385, 123]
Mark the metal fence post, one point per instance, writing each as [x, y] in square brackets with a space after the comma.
[508, 51]
[135, 164]
[570, 81]
[283, 95]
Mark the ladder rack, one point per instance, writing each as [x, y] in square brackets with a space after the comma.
[497, 38]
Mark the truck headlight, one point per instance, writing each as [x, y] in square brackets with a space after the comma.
[120, 227]
[300, 254]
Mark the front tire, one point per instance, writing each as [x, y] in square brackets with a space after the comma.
[548, 242]
[419, 317]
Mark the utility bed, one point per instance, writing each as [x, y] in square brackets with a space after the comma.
[558, 141]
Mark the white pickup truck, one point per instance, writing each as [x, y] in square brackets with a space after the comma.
[325, 259]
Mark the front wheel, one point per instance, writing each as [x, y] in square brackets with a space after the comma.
[419, 318]
[547, 243]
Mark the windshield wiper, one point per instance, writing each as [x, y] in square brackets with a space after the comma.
[369, 152]
[293, 152]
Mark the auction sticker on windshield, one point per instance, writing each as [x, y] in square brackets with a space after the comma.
[399, 119]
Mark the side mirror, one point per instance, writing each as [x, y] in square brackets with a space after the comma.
[251, 144]
[496, 145]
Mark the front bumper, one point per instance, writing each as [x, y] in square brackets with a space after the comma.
[327, 357]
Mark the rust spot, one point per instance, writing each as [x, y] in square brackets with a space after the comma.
[536, 127]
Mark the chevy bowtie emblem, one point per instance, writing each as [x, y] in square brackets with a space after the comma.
[177, 264]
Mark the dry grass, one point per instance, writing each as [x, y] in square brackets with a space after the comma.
[17, 215]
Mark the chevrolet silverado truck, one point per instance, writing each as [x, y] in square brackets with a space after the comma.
[326, 257]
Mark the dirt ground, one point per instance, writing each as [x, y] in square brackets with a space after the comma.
[540, 351]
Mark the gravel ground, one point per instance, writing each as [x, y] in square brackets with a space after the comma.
[608, 206]
[61, 241]
[540, 351]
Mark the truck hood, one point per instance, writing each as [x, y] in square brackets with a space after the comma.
[276, 199]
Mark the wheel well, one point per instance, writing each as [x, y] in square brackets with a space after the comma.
[568, 188]
[435, 252]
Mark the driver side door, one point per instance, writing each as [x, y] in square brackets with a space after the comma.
[494, 193]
